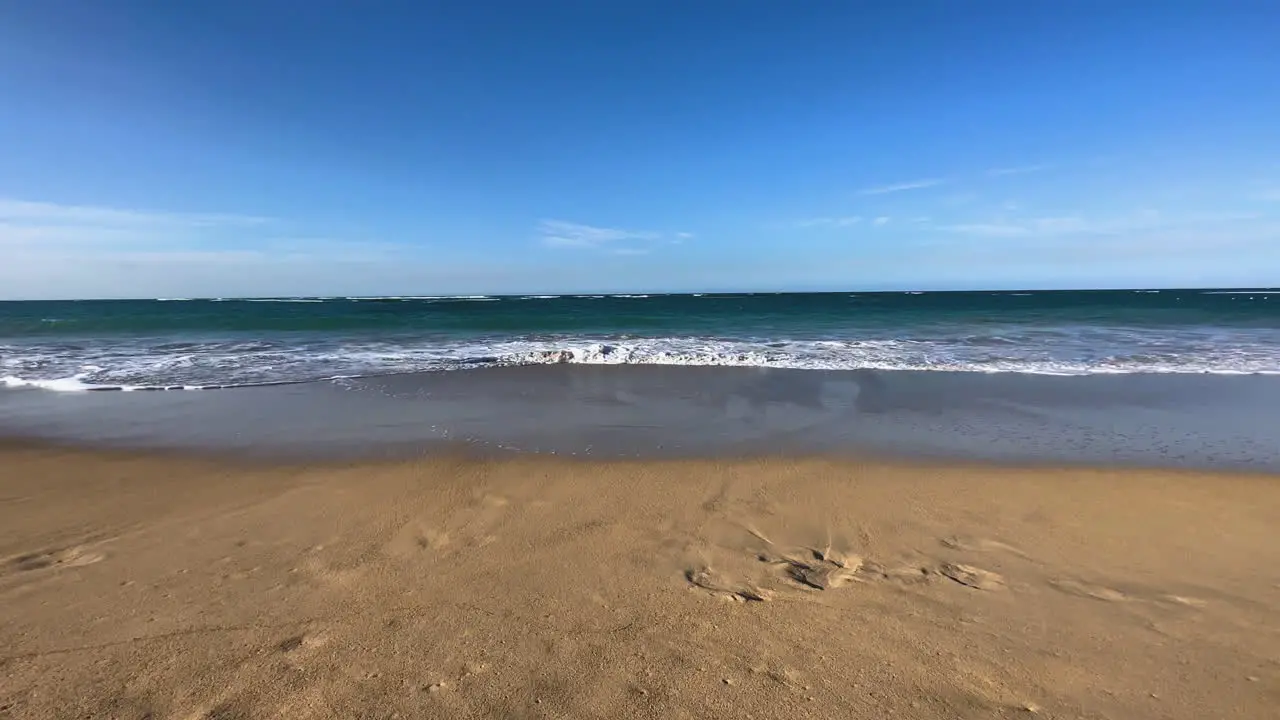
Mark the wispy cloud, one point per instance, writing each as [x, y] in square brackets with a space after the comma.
[903, 186]
[1016, 227]
[881, 221]
[994, 229]
[960, 199]
[1142, 220]
[14, 212]
[565, 234]
[146, 235]
[1018, 170]
[64, 250]
[1270, 195]
[830, 222]
[53, 227]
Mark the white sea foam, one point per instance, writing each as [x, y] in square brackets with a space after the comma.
[860, 355]
[359, 298]
[76, 383]
[66, 384]
[141, 364]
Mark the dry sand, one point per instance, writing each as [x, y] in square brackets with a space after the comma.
[162, 587]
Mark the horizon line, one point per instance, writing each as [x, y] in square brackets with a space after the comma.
[634, 293]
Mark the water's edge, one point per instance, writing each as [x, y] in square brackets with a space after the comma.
[1195, 421]
[204, 344]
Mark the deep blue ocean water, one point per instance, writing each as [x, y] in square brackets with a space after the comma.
[203, 343]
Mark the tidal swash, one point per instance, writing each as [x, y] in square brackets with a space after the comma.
[216, 343]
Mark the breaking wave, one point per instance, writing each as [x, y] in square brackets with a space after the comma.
[190, 365]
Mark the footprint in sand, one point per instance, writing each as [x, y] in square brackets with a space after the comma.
[75, 556]
[971, 576]
[432, 539]
[468, 528]
[818, 569]
[288, 645]
[1184, 600]
[902, 574]
[972, 544]
[1088, 590]
[828, 569]
[227, 711]
[708, 579]
[297, 650]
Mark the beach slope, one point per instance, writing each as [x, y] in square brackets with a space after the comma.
[155, 586]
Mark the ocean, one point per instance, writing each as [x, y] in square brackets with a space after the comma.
[223, 343]
[1155, 378]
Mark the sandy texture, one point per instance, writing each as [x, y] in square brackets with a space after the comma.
[159, 587]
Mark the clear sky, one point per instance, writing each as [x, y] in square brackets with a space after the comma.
[159, 148]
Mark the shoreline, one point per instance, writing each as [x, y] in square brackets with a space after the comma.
[218, 587]
[463, 454]
[1203, 422]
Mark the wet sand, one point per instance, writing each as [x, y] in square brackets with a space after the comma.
[162, 586]
[652, 411]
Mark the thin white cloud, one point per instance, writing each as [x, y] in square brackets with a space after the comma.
[1016, 227]
[830, 222]
[1017, 170]
[1142, 220]
[881, 221]
[1051, 225]
[559, 233]
[51, 226]
[60, 250]
[903, 186]
[631, 251]
[996, 229]
[31, 213]
[565, 234]
[1270, 195]
[960, 199]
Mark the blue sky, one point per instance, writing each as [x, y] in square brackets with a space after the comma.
[155, 148]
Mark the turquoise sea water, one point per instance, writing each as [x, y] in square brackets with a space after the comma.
[202, 343]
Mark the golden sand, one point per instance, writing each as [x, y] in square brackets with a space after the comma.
[136, 586]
